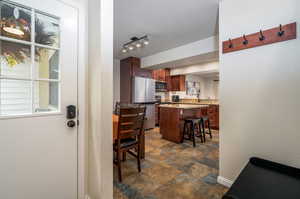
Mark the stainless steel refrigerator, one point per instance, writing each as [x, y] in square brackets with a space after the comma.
[144, 93]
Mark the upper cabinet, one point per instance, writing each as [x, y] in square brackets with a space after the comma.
[163, 75]
[137, 70]
[174, 83]
[129, 68]
[160, 74]
[177, 83]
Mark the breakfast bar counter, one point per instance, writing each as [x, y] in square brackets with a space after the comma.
[172, 119]
[183, 106]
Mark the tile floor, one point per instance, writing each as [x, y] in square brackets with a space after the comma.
[175, 171]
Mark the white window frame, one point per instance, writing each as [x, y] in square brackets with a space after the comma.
[34, 78]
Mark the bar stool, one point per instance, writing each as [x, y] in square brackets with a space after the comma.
[189, 129]
[203, 121]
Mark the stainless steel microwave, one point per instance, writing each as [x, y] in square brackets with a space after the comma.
[161, 86]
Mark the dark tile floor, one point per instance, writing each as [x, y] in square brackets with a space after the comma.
[175, 171]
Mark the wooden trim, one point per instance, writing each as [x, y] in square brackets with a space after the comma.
[253, 40]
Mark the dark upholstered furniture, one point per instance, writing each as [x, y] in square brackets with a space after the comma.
[263, 179]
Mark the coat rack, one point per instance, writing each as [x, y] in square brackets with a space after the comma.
[274, 35]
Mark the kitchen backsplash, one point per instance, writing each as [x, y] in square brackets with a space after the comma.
[167, 96]
[209, 89]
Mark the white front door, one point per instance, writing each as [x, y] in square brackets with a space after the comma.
[38, 80]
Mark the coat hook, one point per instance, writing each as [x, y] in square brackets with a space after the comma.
[245, 42]
[230, 44]
[262, 37]
[281, 32]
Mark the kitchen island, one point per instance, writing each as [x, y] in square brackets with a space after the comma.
[172, 119]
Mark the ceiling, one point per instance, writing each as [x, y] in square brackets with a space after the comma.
[168, 23]
[199, 59]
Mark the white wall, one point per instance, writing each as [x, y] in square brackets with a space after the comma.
[209, 88]
[100, 170]
[198, 73]
[204, 68]
[197, 48]
[116, 80]
[259, 87]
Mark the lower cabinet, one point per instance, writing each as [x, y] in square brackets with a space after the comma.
[213, 114]
[157, 114]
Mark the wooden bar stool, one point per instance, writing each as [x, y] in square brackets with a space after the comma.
[189, 129]
[203, 121]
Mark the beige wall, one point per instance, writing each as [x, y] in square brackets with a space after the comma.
[259, 87]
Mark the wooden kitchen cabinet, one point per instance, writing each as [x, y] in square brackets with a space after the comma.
[129, 68]
[172, 119]
[163, 75]
[178, 83]
[157, 114]
[137, 70]
[160, 74]
[213, 114]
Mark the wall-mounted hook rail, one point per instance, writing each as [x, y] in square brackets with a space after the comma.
[230, 43]
[274, 35]
[281, 32]
[245, 42]
[262, 37]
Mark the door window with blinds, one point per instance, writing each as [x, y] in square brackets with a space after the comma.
[29, 61]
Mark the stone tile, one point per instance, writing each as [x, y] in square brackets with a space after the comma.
[141, 183]
[182, 190]
[176, 171]
[119, 194]
[161, 173]
[210, 179]
[209, 162]
[199, 171]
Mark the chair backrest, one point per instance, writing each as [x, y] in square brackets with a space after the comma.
[131, 121]
[119, 105]
[117, 108]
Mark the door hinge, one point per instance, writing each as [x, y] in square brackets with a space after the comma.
[77, 122]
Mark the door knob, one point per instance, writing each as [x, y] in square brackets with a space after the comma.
[71, 123]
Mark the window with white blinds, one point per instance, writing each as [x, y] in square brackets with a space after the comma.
[29, 61]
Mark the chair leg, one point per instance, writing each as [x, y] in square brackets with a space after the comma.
[203, 130]
[124, 156]
[184, 132]
[191, 130]
[119, 166]
[209, 129]
[200, 131]
[139, 157]
[193, 135]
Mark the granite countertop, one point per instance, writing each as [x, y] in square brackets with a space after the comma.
[191, 103]
[197, 103]
[183, 106]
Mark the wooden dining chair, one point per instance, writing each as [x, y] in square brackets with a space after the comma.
[130, 129]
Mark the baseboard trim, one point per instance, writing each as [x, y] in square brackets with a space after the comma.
[224, 181]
